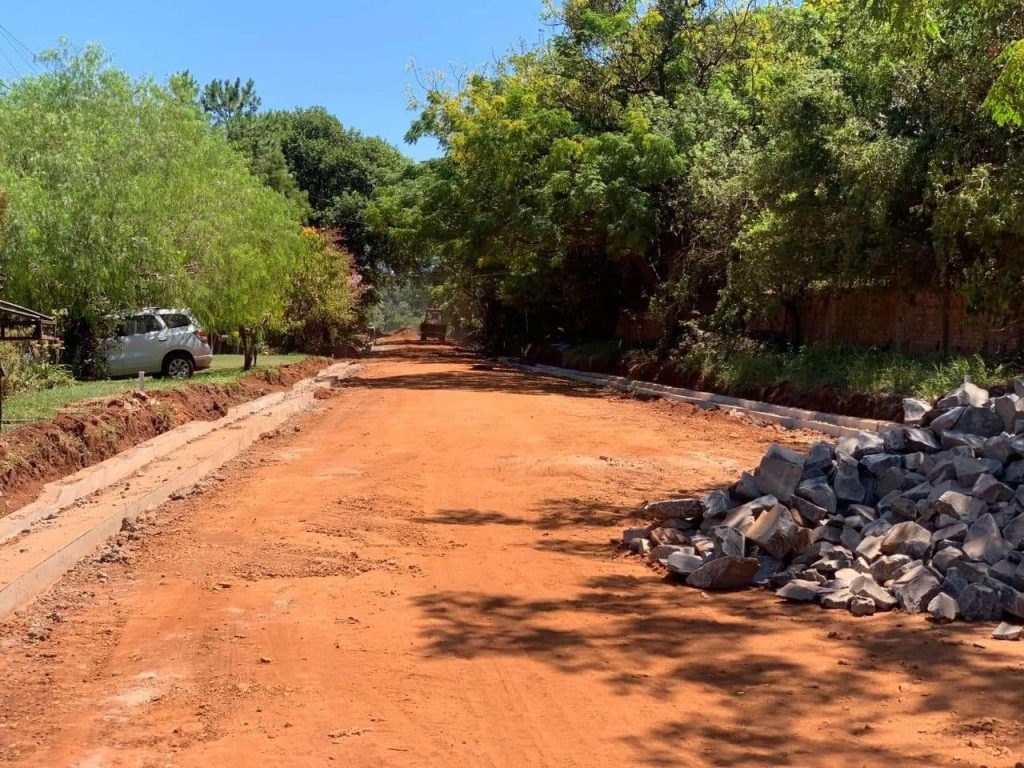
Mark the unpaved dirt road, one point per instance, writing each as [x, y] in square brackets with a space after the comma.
[421, 575]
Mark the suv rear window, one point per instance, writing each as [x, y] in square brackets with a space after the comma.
[177, 320]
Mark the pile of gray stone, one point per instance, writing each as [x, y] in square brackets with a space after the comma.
[927, 516]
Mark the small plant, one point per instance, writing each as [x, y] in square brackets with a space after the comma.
[29, 368]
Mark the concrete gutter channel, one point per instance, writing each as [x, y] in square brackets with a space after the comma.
[75, 516]
[790, 418]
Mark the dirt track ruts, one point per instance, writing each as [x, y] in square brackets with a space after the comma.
[421, 575]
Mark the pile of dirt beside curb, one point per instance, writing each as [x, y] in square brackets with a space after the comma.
[39, 453]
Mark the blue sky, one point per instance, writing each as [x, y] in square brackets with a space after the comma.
[350, 56]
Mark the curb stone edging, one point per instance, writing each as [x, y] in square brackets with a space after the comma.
[247, 423]
[789, 418]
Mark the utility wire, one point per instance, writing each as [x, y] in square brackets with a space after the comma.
[20, 49]
[9, 61]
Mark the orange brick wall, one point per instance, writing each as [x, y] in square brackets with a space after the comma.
[910, 321]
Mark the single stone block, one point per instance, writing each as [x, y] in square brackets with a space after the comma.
[988, 489]
[724, 573]
[729, 542]
[1014, 473]
[840, 599]
[985, 542]
[908, 539]
[685, 509]
[850, 538]
[774, 531]
[716, 504]
[865, 586]
[817, 491]
[780, 472]
[870, 547]
[920, 440]
[800, 591]
[811, 513]
[886, 568]
[968, 470]
[1006, 631]
[746, 488]
[966, 394]
[864, 444]
[943, 608]
[979, 421]
[862, 606]
[1014, 532]
[1010, 600]
[999, 448]
[914, 411]
[916, 589]
[1009, 408]
[946, 420]
[979, 603]
[877, 463]
[768, 567]
[682, 564]
[632, 534]
[847, 484]
[959, 506]
[819, 459]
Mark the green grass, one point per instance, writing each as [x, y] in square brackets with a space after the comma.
[867, 371]
[45, 403]
[600, 355]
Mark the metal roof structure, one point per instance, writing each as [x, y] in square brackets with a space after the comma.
[25, 323]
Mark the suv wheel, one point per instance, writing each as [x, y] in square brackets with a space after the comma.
[178, 367]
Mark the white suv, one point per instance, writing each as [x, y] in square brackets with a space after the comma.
[164, 342]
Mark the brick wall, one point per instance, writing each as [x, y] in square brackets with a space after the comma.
[923, 321]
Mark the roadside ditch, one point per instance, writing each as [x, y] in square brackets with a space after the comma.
[36, 454]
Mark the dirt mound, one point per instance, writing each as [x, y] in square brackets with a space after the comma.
[39, 453]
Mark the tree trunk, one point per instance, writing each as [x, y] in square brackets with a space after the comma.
[248, 339]
[793, 316]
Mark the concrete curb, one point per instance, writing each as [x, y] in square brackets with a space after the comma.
[61, 494]
[790, 418]
[247, 423]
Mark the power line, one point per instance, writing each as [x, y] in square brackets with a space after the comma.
[9, 61]
[20, 49]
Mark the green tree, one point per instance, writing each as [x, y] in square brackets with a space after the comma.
[123, 196]
[229, 100]
[699, 157]
[323, 296]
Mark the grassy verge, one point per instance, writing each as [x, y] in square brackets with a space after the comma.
[45, 403]
[740, 366]
[861, 371]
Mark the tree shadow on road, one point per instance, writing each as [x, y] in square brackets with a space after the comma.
[643, 636]
[475, 381]
[551, 515]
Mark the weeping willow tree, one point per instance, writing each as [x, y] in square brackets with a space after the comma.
[122, 195]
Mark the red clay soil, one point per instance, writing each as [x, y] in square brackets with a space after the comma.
[38, 453]
[422, 573]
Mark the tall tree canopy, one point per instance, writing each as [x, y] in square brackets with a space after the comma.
[121, 195]
[310, 157]
[227, 100]
[679, 156]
